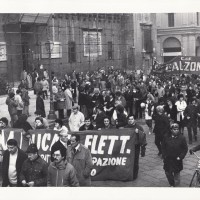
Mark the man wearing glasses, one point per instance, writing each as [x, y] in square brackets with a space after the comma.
[13, 159]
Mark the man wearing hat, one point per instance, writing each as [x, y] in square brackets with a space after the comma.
[76, 119]
[34, 169]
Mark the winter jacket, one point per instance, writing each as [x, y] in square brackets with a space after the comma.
[82, 162]
[35, 171]
[21, 157]
[12, 106]
[173, 147]
[62, 175]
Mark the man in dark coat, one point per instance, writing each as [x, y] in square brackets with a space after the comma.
[34, 169]
[191, 117]
[174, 149]
[13, 159]
[140, 142]
[40, 104]
[161, 128]
[62, 143]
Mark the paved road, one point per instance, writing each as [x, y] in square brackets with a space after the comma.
[151, 173]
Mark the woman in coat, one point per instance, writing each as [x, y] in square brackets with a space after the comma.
[174, 149]
[68, 100]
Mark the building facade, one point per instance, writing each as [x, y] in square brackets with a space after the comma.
[177, 34]
[80, 42]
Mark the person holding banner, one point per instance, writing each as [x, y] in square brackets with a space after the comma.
[13, 159]
[80, 157]
[140, 143]
[34, 169]
[60, 171]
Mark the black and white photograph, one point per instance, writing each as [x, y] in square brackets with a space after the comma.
[105, 99]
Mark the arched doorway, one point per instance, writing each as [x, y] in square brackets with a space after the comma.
[171, 49]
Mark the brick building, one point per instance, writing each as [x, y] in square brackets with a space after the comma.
[79, 42]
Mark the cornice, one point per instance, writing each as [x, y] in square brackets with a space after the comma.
[187, 30]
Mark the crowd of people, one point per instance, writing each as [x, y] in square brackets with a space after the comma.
[103, 99]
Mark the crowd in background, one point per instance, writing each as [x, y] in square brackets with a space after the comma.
[111, 98]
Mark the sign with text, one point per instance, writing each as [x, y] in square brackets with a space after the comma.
[179, 65]
[112, 150]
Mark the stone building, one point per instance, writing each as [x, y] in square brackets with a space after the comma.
[177, 34]
[78, 42]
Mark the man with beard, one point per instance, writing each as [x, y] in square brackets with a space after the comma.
[60, 171]
[34, 169]
[174, 149]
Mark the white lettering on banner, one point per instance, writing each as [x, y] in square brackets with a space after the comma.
[181, 66]
[124, 139]
[42, 140]
[112, 139]
[175, 66]
[4, 140]
[187, 64]
[93, 172]
[109, 161]
[102, 144]
[198, 66]
[192, 66]
[46, 136]
[91, 140]
[45, 157]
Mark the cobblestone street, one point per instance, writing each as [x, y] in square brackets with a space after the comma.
[151, 173]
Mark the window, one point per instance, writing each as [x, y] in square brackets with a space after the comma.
[110, 51]
[92, 43]
[72, 52]
[147, 39]
[171, 19]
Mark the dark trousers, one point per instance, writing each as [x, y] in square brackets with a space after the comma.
[158, 142]
[19, 113]
[129, 107]
[138, 109]
[61, 113]
[68, 113]
[192, 128]
[173, 178]
[136, 161]
[45, 94]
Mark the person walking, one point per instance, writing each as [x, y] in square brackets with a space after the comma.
[34, 169]
[80, 157]
[174, 150]
[40, 104]
[13, 159]
[161, 128]
[60, 172]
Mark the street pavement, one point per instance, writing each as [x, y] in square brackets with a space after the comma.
[151, 173]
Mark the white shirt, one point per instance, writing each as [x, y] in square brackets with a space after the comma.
[12, 172]
[76, 121]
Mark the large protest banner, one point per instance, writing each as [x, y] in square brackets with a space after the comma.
[179, 65]
[112, 150]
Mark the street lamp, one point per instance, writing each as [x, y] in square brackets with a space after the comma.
[49, 47]
[143, 59]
